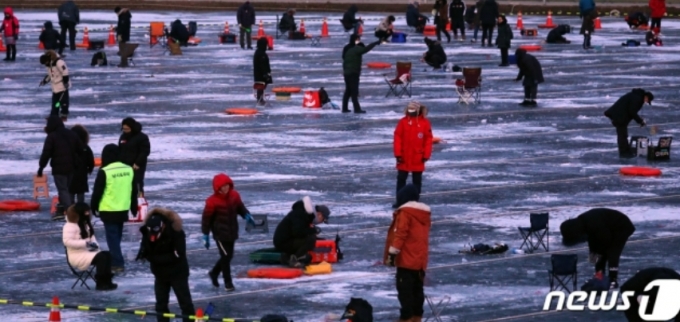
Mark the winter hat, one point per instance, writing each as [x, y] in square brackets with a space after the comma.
[110, 154]
[408, 193]
[154, 224]
[413, 105]
[650, 97]
[325, 212]
[130, 122]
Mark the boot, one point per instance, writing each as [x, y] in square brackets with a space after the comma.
[59, 213]
[532, 103]
[14, 53]
[104, 282]
[526, 102]
[213, 278]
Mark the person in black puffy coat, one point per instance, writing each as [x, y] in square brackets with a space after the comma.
[245, 16]
[164, 246]
[414, 18]
[639, 282]
[556, 35]
[124, 24]
[79, 185]
[624, 110]
[488, 16]
[530, 70]
[296, 234]
[51, 39]
[134, 149]
[262, 72]
[504, 39]
[179, 32]
[69, 18]
[435, 55]
[457, 16]
[606, 231]
[61, 146]
[350, 21]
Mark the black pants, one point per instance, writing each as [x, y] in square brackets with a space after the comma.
[102, 261]
[243, 32]
[656, 23]
[383, 35]
[410, 292]
[139, 179]
[403, 175]
[611, 260]
[223, 265]
[504, 56]
[60, 102]
[487, 32]
[351, 90]
[441, 27]
[11, 52]
[455, 26]
[180, 286]
[63, 182]
[260, 93]
[71, 27]
[530, 92]
[586, 41]
[622, 138]
[298, 247]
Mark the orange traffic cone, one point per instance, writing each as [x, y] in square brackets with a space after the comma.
[199, 314]
[40, 43]
[226, 27]
[2, 46]
[53, 207]
[520, 23]
[598, 23]
[260, 30]
[361, 27]
[324, 28]
[548, 22]
[55, 315]
[112, 37]
[302, 26]
[86, 40]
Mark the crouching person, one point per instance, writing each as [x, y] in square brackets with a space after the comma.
[164, 246]
[82, 248]
[296, 234]
[407, 248]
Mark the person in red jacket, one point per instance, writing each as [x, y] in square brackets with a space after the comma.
[658, 10]
[10, 26]
[412, 145]
[219, 216]
[407, 248]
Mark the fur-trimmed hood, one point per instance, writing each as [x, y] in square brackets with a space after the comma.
[169, 217]
[416, 210]
[306, 204]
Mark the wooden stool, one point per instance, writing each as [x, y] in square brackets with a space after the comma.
[40, 182]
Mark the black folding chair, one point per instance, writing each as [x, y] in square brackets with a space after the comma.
[82, 276]
[539, 231]
[563, 271]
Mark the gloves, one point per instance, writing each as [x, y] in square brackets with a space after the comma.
[40, 172]
[425, 160]
[643, 123]
[400, 160]
[390, 259]
[65, 80]
[250, 220]
[91, 246]
[206, 241]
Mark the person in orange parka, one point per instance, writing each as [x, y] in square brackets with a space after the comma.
[10, 27]
[658, 10]
[412, 145]
[407, 248]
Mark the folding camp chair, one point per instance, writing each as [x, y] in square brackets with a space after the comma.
[437, 308]
[401, 84]
[469, 88]
[126, 51]
[564, 270]
[539, 229]
[157, 34]
[82, 276]
[265, 97]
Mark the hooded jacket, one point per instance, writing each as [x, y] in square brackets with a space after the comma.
[657, 8]
[124, 24]
[10, 25]
[556, 35]
[413, 141]
[349, 18]
[179, 31]
[409, 235]
[457, 11]
[626, 108]
[51, 38]
[504, 34]
[80, 175]
[261, 69]
[435, 52]
[297, 224]
[245, 16]
[352, 59]
[57, 72]
[134, 146]
[110, 154]
[61, 146]
[68, 12]
[529, 68]
[488, 14]
[78, 255]
[287, 22]
[167, 255]
[219, 214]
[605, 229]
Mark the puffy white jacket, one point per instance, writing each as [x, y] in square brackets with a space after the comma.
[56, 72]
[78, 255]
[384, 25]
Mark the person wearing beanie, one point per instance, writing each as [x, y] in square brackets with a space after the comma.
[10, 29]
[531, 71]
[113, 195]
[412, 145]
[79, 185]
[134, 149]
[351, 67]
[435, 55]
[219, 217]
[638, 283]
[407, 249]
[124, 24]
[63, 150]
[51, 39]
[503, 39]
[164, 246]
[607, 231]
[262, 72]
[295, 236]
[624, 110]
[58, 77]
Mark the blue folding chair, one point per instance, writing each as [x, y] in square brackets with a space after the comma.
[563, 271]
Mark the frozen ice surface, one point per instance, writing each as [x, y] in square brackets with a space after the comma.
[498, 163]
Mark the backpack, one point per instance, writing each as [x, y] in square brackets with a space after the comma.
[358, 310]
[274, 318]
[99, 59]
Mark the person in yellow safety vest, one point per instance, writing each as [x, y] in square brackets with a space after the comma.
[113, 195]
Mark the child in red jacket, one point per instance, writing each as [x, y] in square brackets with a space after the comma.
[11, 28]
[412, 145]
[219, 216]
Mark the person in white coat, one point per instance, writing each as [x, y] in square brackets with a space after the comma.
[82, 248]
[58, 77]
[384, 30]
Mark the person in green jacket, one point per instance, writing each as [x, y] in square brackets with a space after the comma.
[113, 195]
[503, 39]
[351, 67]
